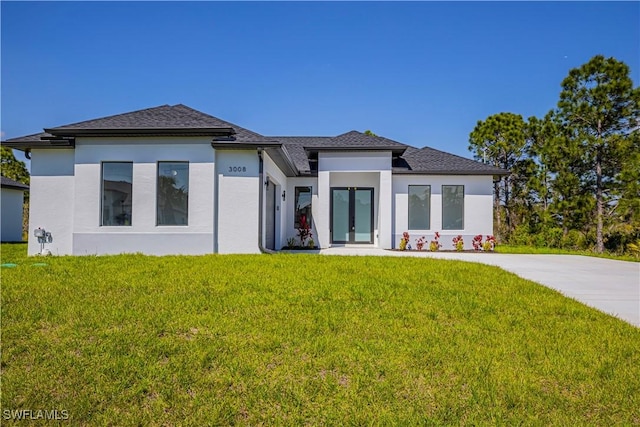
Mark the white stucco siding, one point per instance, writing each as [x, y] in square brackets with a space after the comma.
[478, 207]
[143, 235]
[11, 202]
[51, 203]
[238, 201]
[275, 175]
[355, 161]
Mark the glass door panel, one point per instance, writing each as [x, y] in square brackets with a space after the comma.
[340, 217]
[363, 207]
[352, 215]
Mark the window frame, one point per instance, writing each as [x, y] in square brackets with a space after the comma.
[409, 207]
[443, 206]
[102, 194]
[158, 163]
[296, 193]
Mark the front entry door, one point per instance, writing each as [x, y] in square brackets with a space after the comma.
[352, 215]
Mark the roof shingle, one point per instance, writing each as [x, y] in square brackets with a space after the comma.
[411, 160]
[10, 183]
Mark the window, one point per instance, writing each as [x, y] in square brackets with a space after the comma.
[419, 207]
[173, 193]
[117, 179]
[453, 207]
[303, 206]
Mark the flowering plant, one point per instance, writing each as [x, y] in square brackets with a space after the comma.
[420, 243]
[489, 243]
[304, 231]
[477, 242]
[404, 241]
[458, 243]
[435, 243]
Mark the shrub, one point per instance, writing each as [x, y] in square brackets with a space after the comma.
[404, 241]
[435, 243]
[304, 231]
[489, 244]
[420, 243]
[477, 242]
[458, 243]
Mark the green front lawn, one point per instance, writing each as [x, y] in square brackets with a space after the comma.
[516, 249]
[306, 339]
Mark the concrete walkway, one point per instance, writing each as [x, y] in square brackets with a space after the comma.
[608, 285]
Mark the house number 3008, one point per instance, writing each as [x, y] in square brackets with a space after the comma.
[237, 168]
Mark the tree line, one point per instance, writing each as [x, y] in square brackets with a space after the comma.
[575, 173]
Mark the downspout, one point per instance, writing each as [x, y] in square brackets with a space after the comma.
[261, 201]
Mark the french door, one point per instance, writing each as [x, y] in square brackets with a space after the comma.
[351, 215]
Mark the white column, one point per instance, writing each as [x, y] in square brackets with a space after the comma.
[384, 211]
[321, 209]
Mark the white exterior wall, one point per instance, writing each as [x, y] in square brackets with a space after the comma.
[143, 235]
[275, 175]
[51, 203]
[478, 207]
[357, 169]
[238, 184]
[11, 214]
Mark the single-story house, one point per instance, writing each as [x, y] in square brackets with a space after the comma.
[12, 200]
[174, 180]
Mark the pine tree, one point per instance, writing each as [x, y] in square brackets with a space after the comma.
[598, 107]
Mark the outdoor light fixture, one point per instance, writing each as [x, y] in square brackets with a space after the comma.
[284, 195]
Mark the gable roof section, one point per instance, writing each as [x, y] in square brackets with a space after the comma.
[430, 161]
[36, 140]
[358, 140]
[14, 185]
[163, 120]
[290, 151]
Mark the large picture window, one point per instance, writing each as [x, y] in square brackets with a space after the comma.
[453, 207]
[303, 206]
[117, 180]
[419, 207]
[173, 193]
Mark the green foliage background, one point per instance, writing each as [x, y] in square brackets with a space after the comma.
[575, 174]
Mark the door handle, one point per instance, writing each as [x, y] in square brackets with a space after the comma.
[353, 223]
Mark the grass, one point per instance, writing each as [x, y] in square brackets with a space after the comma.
[514, 249]
[304, 339]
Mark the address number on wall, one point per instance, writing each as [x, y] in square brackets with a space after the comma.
[237, 168]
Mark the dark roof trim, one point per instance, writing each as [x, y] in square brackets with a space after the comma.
[71, 132]
[46, 144]
[243, 145]
[393, 148]
[495, 172]
[12, 184]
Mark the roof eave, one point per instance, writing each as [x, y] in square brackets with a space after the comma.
[393, 149]
[450, 172]
[15, 187]
[74, 132]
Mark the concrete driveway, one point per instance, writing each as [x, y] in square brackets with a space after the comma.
[608, 285]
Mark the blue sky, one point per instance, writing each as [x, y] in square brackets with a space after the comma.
[422, 73]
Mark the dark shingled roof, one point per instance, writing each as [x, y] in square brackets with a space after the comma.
[163, 117]
[179, 118]
[428, 160]
[35, 138]
[10, 183]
